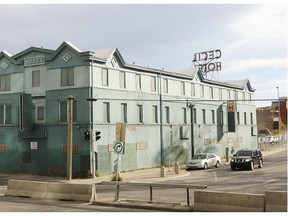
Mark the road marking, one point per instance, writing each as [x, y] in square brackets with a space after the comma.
[247, 173]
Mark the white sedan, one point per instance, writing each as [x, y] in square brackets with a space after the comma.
[204, 161]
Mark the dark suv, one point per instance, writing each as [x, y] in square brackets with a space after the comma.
[247, 159]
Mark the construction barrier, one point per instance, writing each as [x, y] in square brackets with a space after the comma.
[71, 192]
[276, 201]
[30, 189]
[228, 202]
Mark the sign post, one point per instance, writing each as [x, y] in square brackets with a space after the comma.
[118, 148]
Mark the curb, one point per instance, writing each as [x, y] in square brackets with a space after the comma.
[150, 206]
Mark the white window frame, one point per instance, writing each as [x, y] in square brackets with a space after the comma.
[122, 79]
[67, 76]
[106, 112]
[105, 77]
[138, 81]
[153, 84]
[5, 82]
[36, 78]
[165, 85]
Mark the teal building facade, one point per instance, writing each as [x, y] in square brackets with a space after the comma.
[169, 115]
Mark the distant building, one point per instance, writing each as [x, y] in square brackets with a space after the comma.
[169, 115]
[267, 117]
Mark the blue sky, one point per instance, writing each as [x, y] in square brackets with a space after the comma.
[252, 37]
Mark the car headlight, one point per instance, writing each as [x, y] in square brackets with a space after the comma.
[247, 160]
[232, 160]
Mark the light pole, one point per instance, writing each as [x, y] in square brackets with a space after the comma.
[278, 110]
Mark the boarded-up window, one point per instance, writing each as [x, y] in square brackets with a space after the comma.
[36, 78]
[67, 76]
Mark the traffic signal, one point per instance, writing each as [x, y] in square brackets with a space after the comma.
[97, 133]
[87, 135]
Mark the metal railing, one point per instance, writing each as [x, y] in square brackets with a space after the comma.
[153, 185]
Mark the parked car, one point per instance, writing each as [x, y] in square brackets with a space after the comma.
[272, 139]
[204, 161]
[247, 159]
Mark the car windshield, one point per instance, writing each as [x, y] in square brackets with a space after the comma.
[244, 153]
[200, 156]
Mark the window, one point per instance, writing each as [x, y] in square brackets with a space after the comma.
[153, 84]
[155, 114]
[182, 88]
[140, 113]
[165, 85]
[213, 116]
[184, 115]
[251, 118]
[202, 91]
[106, 112]
[220, 117]
[220, 93]
[67, 76]
[122, 79]
[123, 112]
[36, 78]
[231, 121]
[192, 89]
[5, 114]
[211, 92]
[238, 118]
[167, 115]
[236, 95]
[229, 94]
[63, 111]
[105, 77]
[195, 116]
[245, 118]
[5, 83]
[204, 116]
[138, 81]
[40, 113]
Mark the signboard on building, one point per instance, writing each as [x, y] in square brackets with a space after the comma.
[35, 60]
[230, 106]
[207, 60]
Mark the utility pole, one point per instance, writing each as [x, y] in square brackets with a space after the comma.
[70, 135]
[279, 114]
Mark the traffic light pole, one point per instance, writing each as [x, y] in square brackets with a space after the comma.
[92, 149]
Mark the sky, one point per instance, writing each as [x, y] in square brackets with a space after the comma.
[252, 37]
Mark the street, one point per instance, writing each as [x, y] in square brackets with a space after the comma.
[273, 176]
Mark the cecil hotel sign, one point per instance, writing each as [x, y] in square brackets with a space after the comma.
[205, 60]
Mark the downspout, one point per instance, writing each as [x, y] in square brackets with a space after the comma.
[191, 106]
[161, 120]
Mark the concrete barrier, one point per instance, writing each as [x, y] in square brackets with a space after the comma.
[69, 191]
[228, 202]
[276, 201]
[31, 189]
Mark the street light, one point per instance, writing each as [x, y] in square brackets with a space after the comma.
[278, 110]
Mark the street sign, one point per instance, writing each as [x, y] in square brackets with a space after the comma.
[118, 147]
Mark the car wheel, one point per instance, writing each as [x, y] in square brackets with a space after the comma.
[205, 166]
[251, 165]
[217, 164]
[260, 164]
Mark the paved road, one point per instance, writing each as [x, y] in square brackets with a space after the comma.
[273, 176]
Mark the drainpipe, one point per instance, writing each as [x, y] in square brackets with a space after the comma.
[161, 119]
[191, 106]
